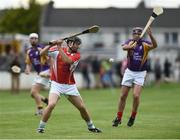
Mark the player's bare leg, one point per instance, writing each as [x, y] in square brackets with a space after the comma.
[53, 99]
[44, 99]
[136, 97]
[136, 100]
[121, 105]
[122, 99]
[35, 94]
[79, 104]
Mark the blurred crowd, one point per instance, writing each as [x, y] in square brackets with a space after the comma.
[8, 55]
[99, 72]
[102, 73]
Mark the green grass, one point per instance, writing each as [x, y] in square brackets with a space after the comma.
[158, 116]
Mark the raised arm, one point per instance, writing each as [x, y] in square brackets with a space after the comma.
[44, 51]
[28, 69]
[65, 58]
[153, 40]
[129, 46]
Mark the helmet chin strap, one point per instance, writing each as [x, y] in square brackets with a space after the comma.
[71, 49]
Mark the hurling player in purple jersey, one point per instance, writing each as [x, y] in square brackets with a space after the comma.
[135, 73]
[40, 65]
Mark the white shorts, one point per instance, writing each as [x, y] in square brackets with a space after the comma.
[41, 80]
[63, 89]
[133, 77]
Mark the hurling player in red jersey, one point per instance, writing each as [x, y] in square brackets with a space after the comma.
[65, 61]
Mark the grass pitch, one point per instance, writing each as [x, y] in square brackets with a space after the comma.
[158, 116]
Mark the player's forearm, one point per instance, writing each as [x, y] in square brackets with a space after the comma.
[127, 47]
[65, 58]
[28, 68]
[153, 40]
[44, 51]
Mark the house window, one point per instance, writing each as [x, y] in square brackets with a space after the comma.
[116, 37]
[97, 40]
[166, 38]
[171, 38]
[98, 45]
[175, 38]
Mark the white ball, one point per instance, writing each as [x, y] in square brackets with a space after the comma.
[111, 60]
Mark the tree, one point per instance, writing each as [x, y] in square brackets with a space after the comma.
[21, 20]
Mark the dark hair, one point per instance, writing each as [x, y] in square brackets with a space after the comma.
[74, 39]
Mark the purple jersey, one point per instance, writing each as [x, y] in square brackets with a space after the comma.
[137, 57]
[38, 62]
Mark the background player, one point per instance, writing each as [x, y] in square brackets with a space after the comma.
[40, 64]
[135, 72]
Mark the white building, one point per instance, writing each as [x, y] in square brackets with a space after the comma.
[115, 27]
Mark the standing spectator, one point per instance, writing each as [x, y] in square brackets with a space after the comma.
[106, 68]
[177, 70]
[123, 66]
[84, 66]
[149, 65]
[96, 71]
[157, 71]
[167, 70]
[117, 68]
[15, 76]
[135, 73]
[149, 76]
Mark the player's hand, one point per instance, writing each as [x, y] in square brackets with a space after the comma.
[59, 42]
[45, 74]
[52, 42]
[27, 71]
[149, 32]
[56, 42]
[133, 45]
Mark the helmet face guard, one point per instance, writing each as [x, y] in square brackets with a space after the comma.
[75, 40]
[137, 30]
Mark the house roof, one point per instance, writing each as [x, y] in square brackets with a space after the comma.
[109, 17]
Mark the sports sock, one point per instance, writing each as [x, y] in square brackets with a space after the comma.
[40, 107]
[45, 100]
[90, 124]
[119, 115]
[42, 124]
[133, 114]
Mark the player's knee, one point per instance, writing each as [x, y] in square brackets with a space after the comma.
[33, 93]
[123, 97]
[136, 97]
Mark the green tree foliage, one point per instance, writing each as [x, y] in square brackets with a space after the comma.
[21, 20]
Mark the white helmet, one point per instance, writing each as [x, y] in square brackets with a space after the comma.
[33, 35]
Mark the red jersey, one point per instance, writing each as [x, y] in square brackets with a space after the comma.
[62, 72]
